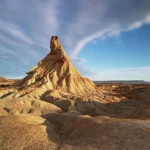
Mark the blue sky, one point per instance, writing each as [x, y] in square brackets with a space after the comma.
[105, 39]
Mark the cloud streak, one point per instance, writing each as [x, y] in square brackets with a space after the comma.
[26, 26]
[119, 74]
[14, 30]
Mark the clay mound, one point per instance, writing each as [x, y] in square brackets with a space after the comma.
[27, 132]
[142, 112]
[72, 131]
[55, 71]
[24, 105]
[86, 133]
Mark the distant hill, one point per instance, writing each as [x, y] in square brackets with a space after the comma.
[122, 82]
[3, 79]
[6, 82]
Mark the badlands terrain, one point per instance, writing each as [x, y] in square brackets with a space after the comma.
[55, 108]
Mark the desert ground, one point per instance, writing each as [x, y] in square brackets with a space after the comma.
[55, 108]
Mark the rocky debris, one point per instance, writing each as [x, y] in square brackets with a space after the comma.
[86, 133]
[124, 88]
[18, 132]
[72, 131]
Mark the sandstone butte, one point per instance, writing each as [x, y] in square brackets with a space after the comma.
[55, 71]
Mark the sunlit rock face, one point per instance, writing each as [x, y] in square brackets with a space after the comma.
[55, 71]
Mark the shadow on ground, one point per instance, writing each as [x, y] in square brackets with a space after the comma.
[85, 132]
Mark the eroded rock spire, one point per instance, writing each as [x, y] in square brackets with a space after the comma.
[56, 71]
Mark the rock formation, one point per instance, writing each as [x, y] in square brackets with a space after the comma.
[55, 71]
[56, 91]
[54, 86]
[3, 79]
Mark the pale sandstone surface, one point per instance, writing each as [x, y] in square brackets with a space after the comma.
[73, 132]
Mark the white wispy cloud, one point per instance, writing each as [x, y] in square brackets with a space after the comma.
[106, 32]
[113, 30]
[25, 29]
[26, 26]
[14, 30]
[121, 74]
